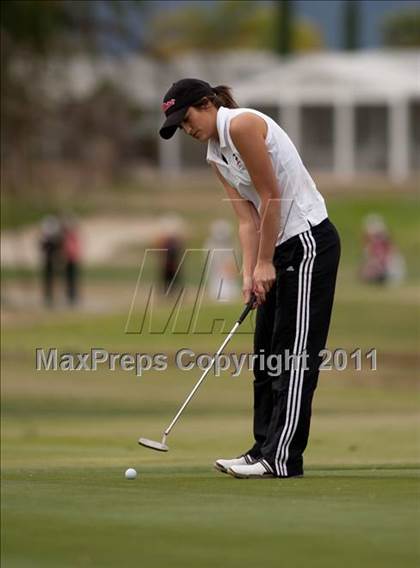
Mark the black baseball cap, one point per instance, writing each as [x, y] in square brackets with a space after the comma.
[178, 99]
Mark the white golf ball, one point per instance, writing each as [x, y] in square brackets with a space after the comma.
[130, 473]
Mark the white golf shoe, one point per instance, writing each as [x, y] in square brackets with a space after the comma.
[258, 469]
[224, 465]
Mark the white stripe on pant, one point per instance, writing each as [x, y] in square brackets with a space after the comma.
[296, 376]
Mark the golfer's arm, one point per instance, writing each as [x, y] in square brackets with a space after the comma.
[248, 134]
[248, 237]
[248, 221]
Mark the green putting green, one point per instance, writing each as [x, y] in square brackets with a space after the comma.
[189, 516]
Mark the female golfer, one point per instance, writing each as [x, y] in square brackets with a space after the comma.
[290, 258]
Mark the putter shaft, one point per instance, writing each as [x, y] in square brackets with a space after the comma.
[197, 386]
[152, 444]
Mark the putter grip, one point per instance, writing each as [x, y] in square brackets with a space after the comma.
[247, 309]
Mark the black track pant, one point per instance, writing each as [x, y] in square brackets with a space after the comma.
[293, 325]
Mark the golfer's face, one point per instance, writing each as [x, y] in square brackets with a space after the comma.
[198, 123]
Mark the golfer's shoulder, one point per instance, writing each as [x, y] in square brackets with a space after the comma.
[245, 124]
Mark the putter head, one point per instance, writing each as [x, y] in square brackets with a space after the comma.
[158, 446]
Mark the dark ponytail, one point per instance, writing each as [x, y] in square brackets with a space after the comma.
[222, 96]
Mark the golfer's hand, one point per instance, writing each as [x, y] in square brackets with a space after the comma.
[247, 288]
[264, 277]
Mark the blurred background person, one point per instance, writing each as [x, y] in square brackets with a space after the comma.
[50, 245]
[71, 255]
[222, 283]
[171, 241]
[382, 262]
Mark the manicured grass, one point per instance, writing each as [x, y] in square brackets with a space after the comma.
[67, 439]
[189, 516]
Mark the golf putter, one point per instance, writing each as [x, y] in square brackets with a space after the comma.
[162, 446]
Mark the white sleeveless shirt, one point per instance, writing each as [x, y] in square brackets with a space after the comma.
[301, 206]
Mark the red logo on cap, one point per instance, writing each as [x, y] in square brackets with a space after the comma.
[168, 104]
